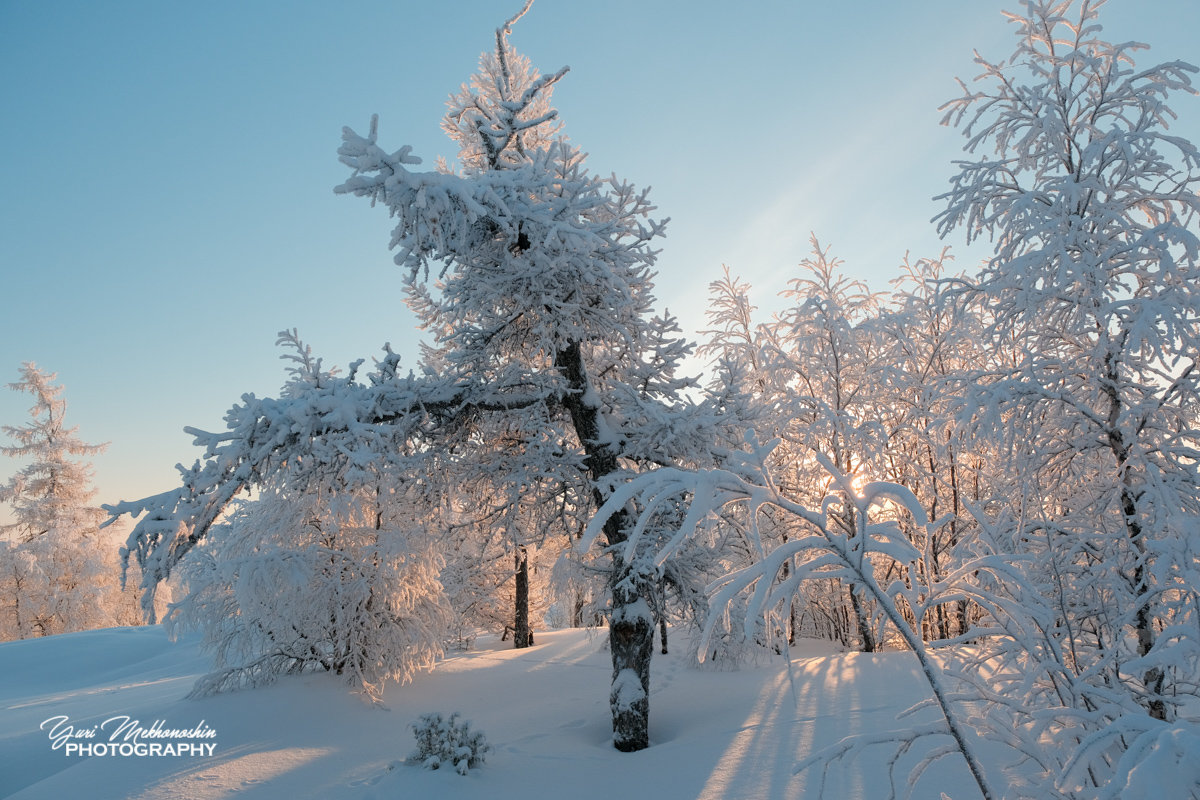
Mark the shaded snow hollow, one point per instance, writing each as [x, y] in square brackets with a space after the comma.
[544, 710]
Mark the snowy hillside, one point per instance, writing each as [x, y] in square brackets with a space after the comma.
[544, 710]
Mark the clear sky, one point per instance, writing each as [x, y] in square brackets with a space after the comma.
[167, 169]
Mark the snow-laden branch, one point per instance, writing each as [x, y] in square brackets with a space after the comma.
[337, 429]
[828, 550]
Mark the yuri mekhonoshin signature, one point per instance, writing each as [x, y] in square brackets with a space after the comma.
[125, 736]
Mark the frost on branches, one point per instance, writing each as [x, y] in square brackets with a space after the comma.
[292, 584]
[1092, 204]
[541, 317]
[544, 294]
[825, 549]
[1046, 407]
[58, 569]
[861, 379]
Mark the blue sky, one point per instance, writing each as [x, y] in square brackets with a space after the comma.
[167, 169]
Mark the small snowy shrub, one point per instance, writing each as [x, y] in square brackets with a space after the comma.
[447, 741]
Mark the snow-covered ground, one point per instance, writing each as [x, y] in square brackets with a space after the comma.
[544, 710]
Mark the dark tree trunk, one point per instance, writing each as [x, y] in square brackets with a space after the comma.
[862, 622]
[942, 620]
[19, 587]
[1153, 678]
[630, 629]
[631, 641]
[790, 623]
[865, 635]
[522, 633]
[662, 633]
[960, 609]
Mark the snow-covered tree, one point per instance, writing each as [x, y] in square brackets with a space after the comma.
[1094, 208]
[545, 289]
[827, 350]
[57, 574]
[1093, 287]
[501, 523]
[54, 490]
[811, 377]
[346, 583]
[826, 547]
[542, 310]
[930, 342]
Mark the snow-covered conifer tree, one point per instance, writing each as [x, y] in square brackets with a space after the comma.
[55, 567]
[545, 287]
[542, 311]
[54, 489]
[501, 520]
